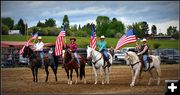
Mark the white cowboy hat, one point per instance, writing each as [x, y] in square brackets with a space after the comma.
[102, 37]
[39, 37]
[144, 40]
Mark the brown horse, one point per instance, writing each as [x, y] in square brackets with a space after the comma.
[35, 63]
[70, 63]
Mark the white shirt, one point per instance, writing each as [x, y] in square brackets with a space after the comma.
[39, 46]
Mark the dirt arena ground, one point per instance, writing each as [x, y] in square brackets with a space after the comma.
[19, 80]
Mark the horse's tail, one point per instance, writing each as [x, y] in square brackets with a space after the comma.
[82, 69]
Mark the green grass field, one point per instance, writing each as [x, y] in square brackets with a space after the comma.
[84, 41]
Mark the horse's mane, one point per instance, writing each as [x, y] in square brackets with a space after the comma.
[69, 57]
[133, 55]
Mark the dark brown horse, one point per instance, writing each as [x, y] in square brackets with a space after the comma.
[35, 63]
[70, 63]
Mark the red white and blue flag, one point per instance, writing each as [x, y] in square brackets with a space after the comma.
[127, 38]
[27, 43]
[60, 42]
[93, 37]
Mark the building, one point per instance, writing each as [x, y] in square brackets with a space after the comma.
[14, 32]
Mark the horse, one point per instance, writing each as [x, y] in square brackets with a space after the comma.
[70, 63]
[133, 60]
[98, 64]
[34, 60]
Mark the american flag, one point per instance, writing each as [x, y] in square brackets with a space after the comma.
[127, 38]
[60, 42]
[27, 43]
[93, 37]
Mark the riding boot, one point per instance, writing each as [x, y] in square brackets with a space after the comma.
[147, 67]
[108, 63]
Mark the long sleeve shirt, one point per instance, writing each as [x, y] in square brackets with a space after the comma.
[39, 46]
[72, 47]
[101, 45]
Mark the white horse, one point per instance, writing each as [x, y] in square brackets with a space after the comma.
[98, 63]
[133, 60]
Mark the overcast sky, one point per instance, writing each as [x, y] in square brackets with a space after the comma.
[159, 13]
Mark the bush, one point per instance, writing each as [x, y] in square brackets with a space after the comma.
[156, 45]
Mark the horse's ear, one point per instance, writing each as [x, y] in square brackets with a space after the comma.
[87, 46]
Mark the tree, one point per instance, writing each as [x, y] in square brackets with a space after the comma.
[66, 21]
[145, 28]
[40, 24]
[172, 31]
[5, 29]
[50, 22]
[154, 30]
[21, 26]
[9, 22]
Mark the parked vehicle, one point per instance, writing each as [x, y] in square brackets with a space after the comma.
[119, 55]
[22, 60]
[168, 55]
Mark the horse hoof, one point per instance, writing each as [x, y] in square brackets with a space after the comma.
[132, 85]
[102, 83]
[95, 83]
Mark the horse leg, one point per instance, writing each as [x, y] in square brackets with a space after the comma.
[54, 71]
[107, 75]
[33, 73]
[95, 74]
[36, 73]
[47, 73]
[136, 72]
[71, 76]
[158, 70]
[102, 77]
[77, 73]
[151, 76]
[67, 72]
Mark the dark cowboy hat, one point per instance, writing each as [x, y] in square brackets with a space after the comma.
[73, 39]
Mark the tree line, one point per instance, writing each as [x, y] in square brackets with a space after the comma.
[104, 26]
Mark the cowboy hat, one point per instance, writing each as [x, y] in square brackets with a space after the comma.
[39, 37]
[73, 39]
[102, 37]
[144, 40]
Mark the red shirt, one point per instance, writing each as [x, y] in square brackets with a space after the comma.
[72, 47]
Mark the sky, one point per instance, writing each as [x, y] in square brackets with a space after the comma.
[159, 13]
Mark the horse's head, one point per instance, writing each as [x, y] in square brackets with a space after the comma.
[89, 52]
[27, 51]
[127, 58]
[131, 58]
[66, 54]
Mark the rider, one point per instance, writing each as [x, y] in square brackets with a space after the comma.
[102, 48]
[73, 47]
[38, 47]
[144, 52]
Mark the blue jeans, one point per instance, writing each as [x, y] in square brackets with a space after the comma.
[105, 54]
[76, 56]
[42, 57]
[145, 60]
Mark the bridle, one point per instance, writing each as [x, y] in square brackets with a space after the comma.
[28, 54]
[95, 57]
[132, 65]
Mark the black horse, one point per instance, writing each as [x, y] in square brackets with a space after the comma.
[70, 63]
[35, 63]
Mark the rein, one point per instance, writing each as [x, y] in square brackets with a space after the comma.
[132, 65]
[95, 57]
